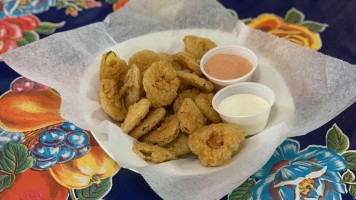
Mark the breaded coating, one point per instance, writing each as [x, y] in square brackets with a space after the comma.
[195, 80]
[217, 143]
[161, 83]
[190, 93]
[116, 69]
[190, 62]
[109, 98]
[132, 86]
[153, 118]
[184, 86]
[190, 117]
[163, 135]
[197, 46]
[179, 146]
[171, 59]
[153, 153]
[204, 103]
[143, 59]
[136, 113]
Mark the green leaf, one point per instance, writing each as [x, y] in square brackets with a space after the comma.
[60, 5]
[244, 191]
[336, 140]
[47, 28]
[15, 159]
[350, 159]
[314, 26]
[247, 20]
[95, 191]
[232, 12]
[294, 16]
[7, 181]
[348, 176]
[112, 1]
[29, 36]
[352, 190]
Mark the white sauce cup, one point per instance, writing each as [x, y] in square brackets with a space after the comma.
[232, 50]
[253, 123]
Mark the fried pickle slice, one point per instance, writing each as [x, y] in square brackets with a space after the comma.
[136, 113]
[153, 118]
[153, 153]
[204, 103]
[163, 135]
[190, 62]
[115, 69]
[132, 88]
[110, 100]
[197, 46]
[184, 86]
[171, 59]
[143, 59]
[160, 83]
[217, 143]
[190, 117]
[190, 93]
[195, 80]
[179, 146]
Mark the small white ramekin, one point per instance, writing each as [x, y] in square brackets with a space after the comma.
[232, 50]
[253, 123]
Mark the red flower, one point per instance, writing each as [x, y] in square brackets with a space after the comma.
[12, 29]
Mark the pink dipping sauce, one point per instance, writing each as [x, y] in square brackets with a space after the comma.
[227, 67]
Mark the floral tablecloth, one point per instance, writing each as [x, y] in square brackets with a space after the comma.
[43, 156]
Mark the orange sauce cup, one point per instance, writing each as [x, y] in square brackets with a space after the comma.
[229, 50]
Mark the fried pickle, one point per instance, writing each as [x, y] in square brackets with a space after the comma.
[135, 114]
[109, 98]
[217, 143]
[153, 118]
[195, 80]
[116, 69]
[153, 153]
[190, 62]
[190, 93]
[143, 59]
[197, 46]
[171, 59]
[190, 117]
[179, 146]
[204, 103]
[163, 135]
[160, 83]
[132, 86]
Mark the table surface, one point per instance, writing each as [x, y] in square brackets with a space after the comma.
[325, 26]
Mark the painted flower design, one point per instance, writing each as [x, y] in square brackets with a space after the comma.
[12, 29]
[312, 173]
[16, 8]
[292, 27]
[117, 4]
[72, 7]
[19, 31]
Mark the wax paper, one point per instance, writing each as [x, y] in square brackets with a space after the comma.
[320, 88]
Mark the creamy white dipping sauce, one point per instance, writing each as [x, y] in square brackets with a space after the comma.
[242, 104]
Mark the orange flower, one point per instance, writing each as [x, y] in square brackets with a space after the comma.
[120, 4]
[293, 32]
[72, 11]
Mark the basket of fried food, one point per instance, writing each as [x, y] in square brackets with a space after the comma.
[165, 102]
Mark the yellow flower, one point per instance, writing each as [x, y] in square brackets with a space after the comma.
[293, 32]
